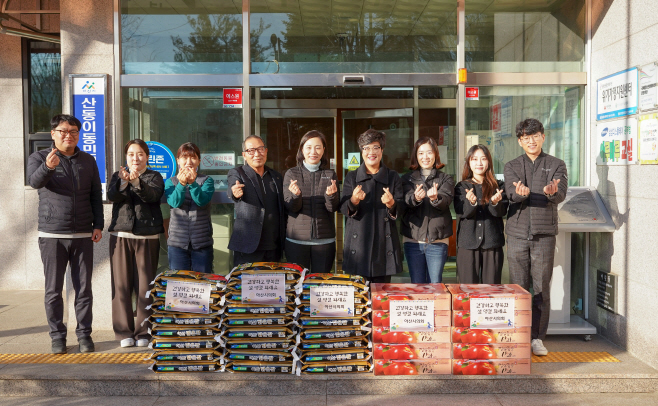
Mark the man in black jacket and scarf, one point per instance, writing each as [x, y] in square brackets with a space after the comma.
[70, 219]
[535, 183]
[259, 229]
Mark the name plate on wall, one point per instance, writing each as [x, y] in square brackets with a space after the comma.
[606, 291]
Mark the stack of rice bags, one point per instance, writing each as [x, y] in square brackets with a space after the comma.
[186, 341]
[261, 337]
[340, 342]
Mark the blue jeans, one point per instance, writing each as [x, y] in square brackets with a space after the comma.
[193, 260]
[426, 261]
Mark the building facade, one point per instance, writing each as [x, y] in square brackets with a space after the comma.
[340, 67]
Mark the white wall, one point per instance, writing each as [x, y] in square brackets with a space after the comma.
[624, 35]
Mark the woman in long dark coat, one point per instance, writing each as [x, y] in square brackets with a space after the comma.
[371, 201]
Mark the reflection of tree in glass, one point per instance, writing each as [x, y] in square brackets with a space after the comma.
[132, 41]
[373, 38]
[216, 38]
[45, 89]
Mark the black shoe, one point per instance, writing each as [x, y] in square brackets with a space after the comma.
[58, 346]
[86, 344]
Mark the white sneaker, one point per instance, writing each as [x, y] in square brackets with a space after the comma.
[142, 342]
[538, 347]
[127, 342]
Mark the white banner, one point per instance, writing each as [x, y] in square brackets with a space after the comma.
[492, 312]
[188, 297]
[264, 289]
[412, 315]
[617, 142]
[617, 94]
[330, 301]
[648, 89]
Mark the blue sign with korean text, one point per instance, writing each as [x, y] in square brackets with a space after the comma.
[88, 106]
[161, 159]
[617, 94]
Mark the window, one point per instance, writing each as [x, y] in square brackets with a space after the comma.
[42, 95]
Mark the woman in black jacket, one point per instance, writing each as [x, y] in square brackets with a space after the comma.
[480, 203]
[427, 222]
[311, 198]
[135, 192]
[371, 201]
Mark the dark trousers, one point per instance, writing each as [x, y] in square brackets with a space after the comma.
[379, 279]
[531, 262]
[256, 256]
[56, 254]
[133, 264]
[480, 266]
[199, 260]
[316, 258]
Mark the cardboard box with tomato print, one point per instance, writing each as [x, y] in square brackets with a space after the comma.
[491, 367]
[412, 351]
[382, 318]
[490, 351]
[384, 293]
[462, 293]
[429, 366]
[385, 335]
[465, 335]
[462, 318]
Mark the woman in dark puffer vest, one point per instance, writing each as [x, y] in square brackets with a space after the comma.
[190, 242]
[135, 192]
[427, 222]
[311, 198]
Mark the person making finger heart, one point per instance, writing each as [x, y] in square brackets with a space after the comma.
[480, 205]
[427, 222]
[535, 184]
[311, 198]
[190, 242]
[260, 224]
[371, 200]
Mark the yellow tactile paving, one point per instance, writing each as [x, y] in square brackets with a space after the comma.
[141, 358]
[134, 358]
[576, 357]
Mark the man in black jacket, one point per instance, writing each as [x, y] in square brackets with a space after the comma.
[535, 183]
[257, 190]
[70, 218]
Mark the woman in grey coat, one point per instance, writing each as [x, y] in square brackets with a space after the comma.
[372, 200]
[311, 198]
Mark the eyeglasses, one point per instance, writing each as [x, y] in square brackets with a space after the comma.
[252, 151]
[73, 133]
[373, 149]
[526, 138]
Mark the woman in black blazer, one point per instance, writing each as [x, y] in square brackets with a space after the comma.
[480, 204]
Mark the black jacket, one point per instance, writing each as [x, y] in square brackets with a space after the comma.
[311, 214]
[371, 242]
[535, 214]
[428, 221]
[70, 196]
[137, 210]
[480, 226]
[250, 211]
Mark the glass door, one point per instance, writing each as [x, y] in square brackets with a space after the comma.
[283, 129]
[396, 123]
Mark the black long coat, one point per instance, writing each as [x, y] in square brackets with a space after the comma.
[371, 241]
